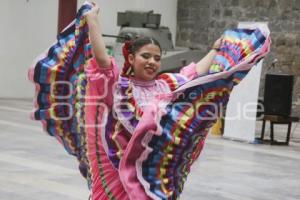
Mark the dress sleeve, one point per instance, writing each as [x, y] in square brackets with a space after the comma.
[189, 71]
[175, 80]
[102, 80]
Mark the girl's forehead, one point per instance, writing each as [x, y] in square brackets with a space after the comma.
[152, 48]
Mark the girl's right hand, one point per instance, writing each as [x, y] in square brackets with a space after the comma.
[93, 13]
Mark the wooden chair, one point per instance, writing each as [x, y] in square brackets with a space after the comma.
[276, 119]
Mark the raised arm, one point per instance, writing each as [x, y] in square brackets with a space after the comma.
[203, 65]
[96, 39]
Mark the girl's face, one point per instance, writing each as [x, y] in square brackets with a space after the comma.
[146, 62]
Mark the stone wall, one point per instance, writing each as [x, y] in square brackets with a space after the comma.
[200, 22]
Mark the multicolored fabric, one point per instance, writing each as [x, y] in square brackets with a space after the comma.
[237, 45]
[168, 154]
[125, 151]
[68, 106]
[174, 80]
[170, 140]
[60, 82]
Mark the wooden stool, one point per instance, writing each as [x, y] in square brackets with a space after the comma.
[276, 119]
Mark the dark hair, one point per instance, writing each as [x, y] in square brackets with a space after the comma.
[139, 42]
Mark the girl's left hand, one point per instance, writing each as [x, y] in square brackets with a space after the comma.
[217, 44]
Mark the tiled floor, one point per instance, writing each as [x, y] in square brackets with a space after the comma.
[33, 166]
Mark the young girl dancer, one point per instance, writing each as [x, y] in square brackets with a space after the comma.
[135, 134]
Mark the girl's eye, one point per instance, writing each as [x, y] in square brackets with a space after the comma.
[146, 56]
[157, 59]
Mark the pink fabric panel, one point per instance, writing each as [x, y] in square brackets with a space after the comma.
[189, 71]
[127, 169]
[104, 79]
[105, 178]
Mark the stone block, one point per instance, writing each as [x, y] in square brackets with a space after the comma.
[216, 13]
[280, 41]
[212, 24]
[272, 4]
[275, 26]
[283, 69]
[285, 6]
[298, 39]
[228, 13]
[221, 24]
[237, 14]
[297, 27]
[225, 3]
[297, 5]
[296, 60]
[235, 2]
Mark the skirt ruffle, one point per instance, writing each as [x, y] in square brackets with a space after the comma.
[60, 83]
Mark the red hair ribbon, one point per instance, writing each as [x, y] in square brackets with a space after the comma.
[127, 69]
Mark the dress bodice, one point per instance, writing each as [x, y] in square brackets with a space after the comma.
[144, 92]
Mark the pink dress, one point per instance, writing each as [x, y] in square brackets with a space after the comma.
[135, 140]
[105, 176]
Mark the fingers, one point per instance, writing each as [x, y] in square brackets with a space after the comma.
[95, 6]
[94, 10]
[93, 3]
[220, 39]
[217, 44]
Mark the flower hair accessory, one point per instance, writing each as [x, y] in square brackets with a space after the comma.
[127, 68]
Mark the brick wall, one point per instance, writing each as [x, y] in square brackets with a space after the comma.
[200, 22]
